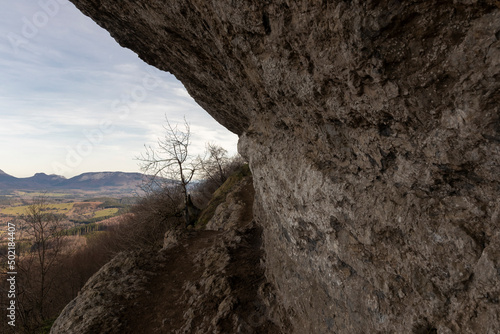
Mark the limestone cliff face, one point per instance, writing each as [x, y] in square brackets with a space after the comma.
[372, 129]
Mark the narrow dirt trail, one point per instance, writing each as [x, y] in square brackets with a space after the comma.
[209, 281]
[206, 281]
[160, 309]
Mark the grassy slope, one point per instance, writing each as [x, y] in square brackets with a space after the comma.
[105, 212]
[220, 196]
[19, 210]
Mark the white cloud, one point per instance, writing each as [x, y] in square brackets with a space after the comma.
[60, 84]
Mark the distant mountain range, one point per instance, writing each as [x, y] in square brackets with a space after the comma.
[85, 181]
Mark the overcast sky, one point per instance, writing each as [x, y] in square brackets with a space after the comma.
[72, 100]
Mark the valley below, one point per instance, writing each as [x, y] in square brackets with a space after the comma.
[79, 210]
[86, 202]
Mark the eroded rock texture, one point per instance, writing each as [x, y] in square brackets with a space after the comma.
[372, 129]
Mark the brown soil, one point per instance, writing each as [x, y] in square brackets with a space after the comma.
[161, 308]
[158, 310]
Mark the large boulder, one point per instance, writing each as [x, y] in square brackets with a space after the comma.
[372, 130]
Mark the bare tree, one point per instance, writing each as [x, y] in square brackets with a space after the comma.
[215, 166]
[39, 263]
[171, 161]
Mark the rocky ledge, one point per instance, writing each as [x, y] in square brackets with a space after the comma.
[202, 281]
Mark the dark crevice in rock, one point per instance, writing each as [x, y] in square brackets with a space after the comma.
[266, 23]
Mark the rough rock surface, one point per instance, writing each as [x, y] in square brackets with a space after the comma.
[236, 209]
[372, 129]
[101, 302]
